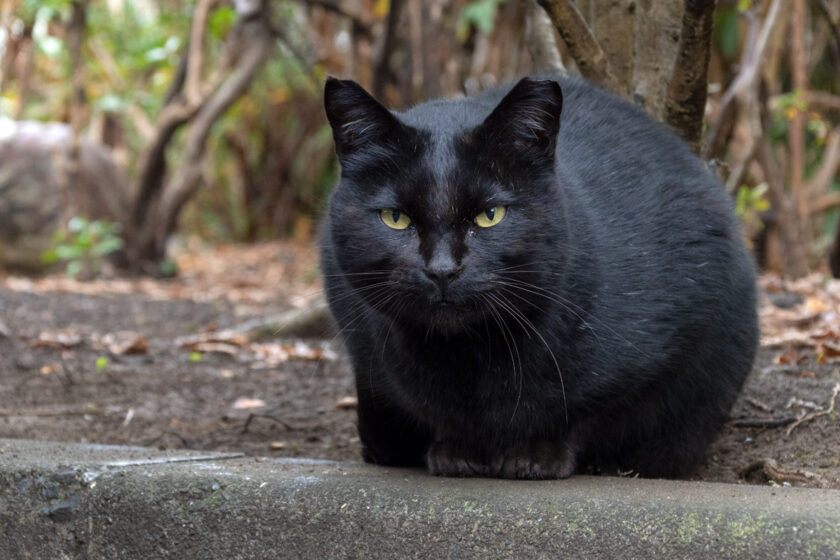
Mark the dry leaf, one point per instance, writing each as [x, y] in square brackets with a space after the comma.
[57, 339]
[246, 402]
[345, 403]
[277, 445]
[815, 305]
[223, 337]
[215, 347]
[789, 357]
[129, 344]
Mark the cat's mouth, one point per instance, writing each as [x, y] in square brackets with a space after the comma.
[445, 314]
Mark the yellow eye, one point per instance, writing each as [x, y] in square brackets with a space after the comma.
[490, 217]
[394, 219]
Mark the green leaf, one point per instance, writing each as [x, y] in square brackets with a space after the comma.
[726, 31]
[69, 252]
[108, 245]
[479, 13]
[101, 363]
[221, 21]
[50, 256]
[195, 357]
[168, 268]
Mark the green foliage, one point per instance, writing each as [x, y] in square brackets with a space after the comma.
[480, 14]
[726, 34]
[168, 268]
[194, 357]
[101, 363]
[221, 21]
[749, 203]
[84, 245]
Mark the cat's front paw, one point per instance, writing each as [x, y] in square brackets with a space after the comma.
[539, 461]
[450, 459]
[528, 461]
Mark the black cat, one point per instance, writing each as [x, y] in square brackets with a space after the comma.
[528, 295]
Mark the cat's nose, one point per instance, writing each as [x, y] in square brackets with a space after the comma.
[443, 275]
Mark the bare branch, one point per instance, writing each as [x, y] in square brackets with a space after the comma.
[187, 179]
[195, 52]
[582, 44]
[822, 177]
[539, 37]
[360, 25]
[744, 84]
[686, 101]
[816, 100]
[796, 262]
[382, 72]
[796, 129]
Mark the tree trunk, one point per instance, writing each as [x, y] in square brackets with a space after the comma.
[658, 33]
[198, 102]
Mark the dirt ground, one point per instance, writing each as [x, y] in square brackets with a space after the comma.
[153, 363]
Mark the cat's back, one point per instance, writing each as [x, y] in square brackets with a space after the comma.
[662, 229]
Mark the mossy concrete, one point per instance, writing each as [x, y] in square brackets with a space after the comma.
[80, 501]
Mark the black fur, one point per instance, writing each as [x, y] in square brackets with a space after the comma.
[605, 324]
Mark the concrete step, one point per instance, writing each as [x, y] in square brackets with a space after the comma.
[95, 501]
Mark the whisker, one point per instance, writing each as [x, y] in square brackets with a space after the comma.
[507, 305]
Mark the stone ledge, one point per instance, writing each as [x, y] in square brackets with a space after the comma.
[91, 501]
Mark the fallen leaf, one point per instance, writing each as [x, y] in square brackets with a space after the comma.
[215, 347]
[57, 339]
[129, 345]
[345, 403]
[277, 445]
[789, 357]
[222, 337]
[815, 305]
[246, 402]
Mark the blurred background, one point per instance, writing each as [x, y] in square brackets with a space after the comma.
[130, 125]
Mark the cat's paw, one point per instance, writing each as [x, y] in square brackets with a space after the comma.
[448, 459]
[539, 461]
[528, 461]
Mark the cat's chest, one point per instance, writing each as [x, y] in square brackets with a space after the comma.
[476, 382]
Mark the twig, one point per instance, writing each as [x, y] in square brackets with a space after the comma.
[582, 44]
[759, 404]
[184, 441]
[775, 422]
[36, 412]
[771, 469]
[253, 415]
[811, 416]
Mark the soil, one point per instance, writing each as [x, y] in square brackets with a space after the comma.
[111, 361]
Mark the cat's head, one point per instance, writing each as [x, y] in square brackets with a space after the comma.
[447, 213]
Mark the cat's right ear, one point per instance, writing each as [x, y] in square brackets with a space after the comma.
[357, 119]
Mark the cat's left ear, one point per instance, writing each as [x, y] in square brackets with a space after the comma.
[526, 121]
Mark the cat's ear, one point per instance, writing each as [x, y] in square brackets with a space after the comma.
[357, 119]
[526, 121]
